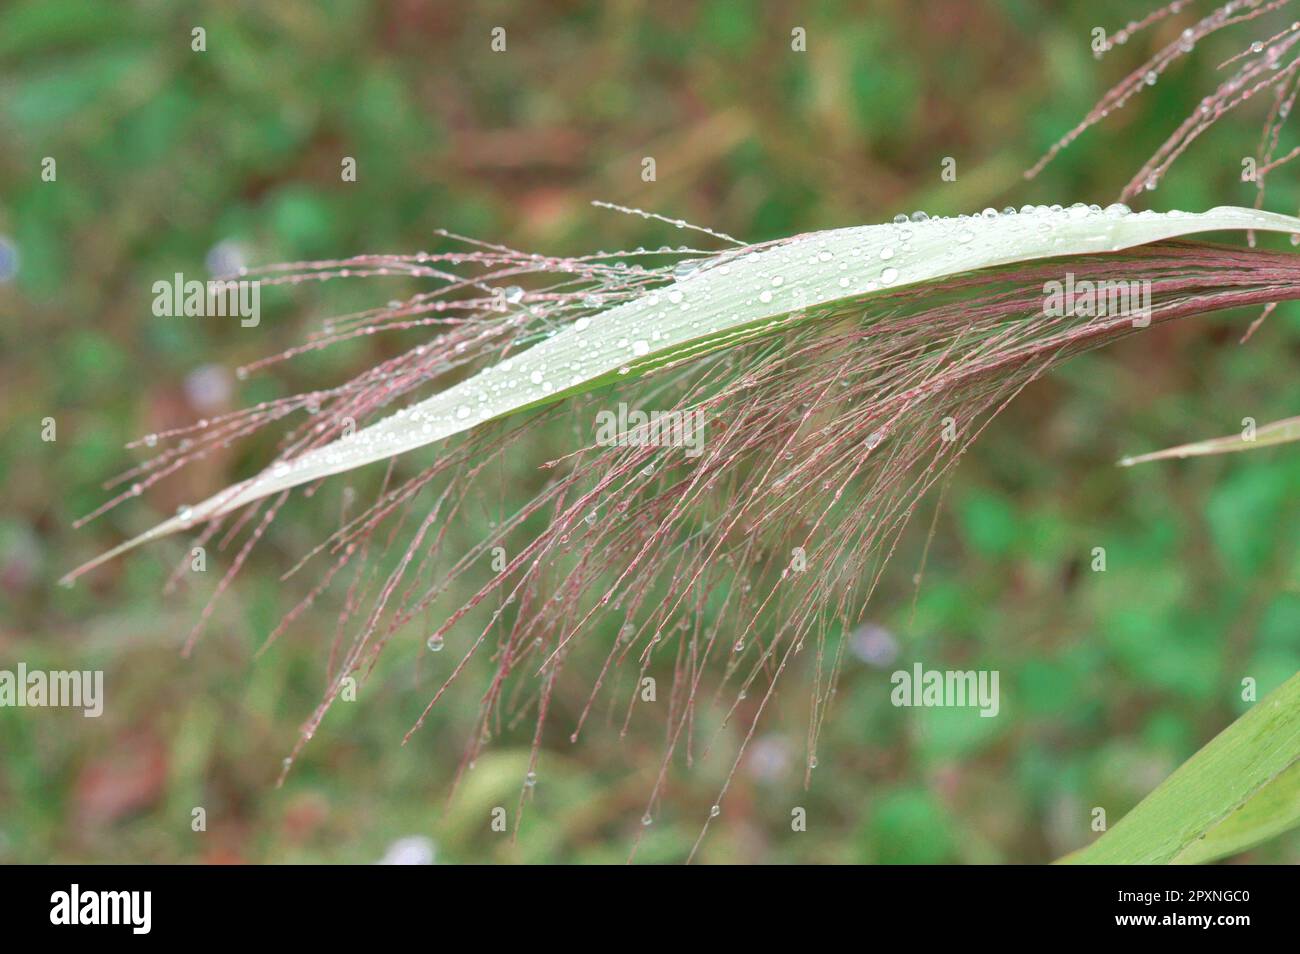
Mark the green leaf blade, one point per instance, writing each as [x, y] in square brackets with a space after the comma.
[732, 299]
[1177, 821]
[1270, 435]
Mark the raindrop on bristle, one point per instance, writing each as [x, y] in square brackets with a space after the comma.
[435, 643]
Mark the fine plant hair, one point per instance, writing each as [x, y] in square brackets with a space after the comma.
[717, 571]
[1267, 69]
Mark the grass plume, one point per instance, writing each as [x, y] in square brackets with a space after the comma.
[825, 431]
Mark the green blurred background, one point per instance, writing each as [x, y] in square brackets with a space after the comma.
[168, 159]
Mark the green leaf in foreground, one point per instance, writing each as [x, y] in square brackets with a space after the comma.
[1279, 432]
[732, 299]
[1240, 789]
[1274, 809]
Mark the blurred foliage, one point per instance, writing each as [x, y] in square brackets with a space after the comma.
[167, 158]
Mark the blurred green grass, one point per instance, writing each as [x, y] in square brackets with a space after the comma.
[1109, 679]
